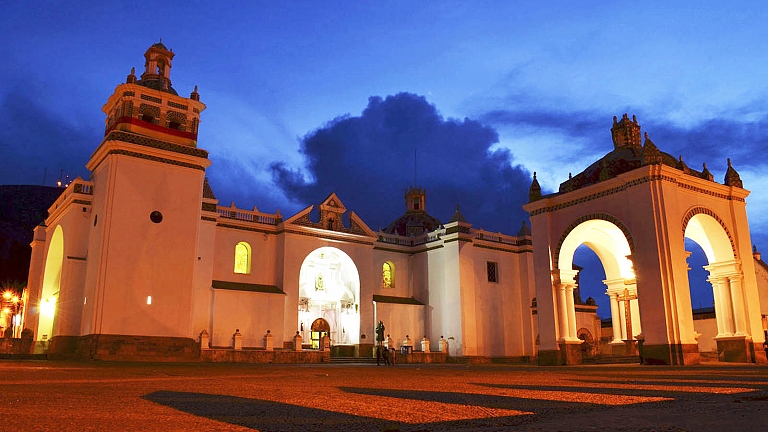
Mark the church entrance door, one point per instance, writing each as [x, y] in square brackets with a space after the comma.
[320, 328]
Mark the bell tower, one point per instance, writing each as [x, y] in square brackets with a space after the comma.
[151, 107]
[148, 175]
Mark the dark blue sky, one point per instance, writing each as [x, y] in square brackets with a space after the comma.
[308, 98]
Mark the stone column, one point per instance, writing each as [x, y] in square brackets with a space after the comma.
[571, 312]
[562, 312]
[636, 328]
[725, 298]
[623, 320]
[737, 297]
[615, 318]
[719, 306]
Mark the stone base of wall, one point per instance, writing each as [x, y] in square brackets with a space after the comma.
[760, 355]
[570, 353]
[125, 348]
[488, 360]
[420, 357]
[740, 350]
[670, 354]
[344, 351]
[16, 346]
[221, 355]
[549, 358]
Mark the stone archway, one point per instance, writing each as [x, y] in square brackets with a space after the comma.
[51, 284]
[652, 193]
[329, 292]
[610, 241]
[588, 346]
[726, 276]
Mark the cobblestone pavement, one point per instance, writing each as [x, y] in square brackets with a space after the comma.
[68, 396]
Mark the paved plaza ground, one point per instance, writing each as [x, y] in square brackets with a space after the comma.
[69, 396]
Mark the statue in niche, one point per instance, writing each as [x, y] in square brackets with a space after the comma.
[319, 283]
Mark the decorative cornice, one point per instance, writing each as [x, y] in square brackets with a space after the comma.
[155, 159]
[475, 244]
[629, 184]
[239, 286]
[153, 143]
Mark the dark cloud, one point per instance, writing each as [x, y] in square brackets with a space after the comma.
[736, 135]
[33, 140]
[369, 161]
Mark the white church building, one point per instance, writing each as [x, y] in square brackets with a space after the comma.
[141, 259]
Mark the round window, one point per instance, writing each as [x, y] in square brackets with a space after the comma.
[156, 216]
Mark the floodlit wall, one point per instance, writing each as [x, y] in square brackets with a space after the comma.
[140, 259]
[253, 313]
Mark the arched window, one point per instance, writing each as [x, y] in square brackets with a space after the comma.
[388, 275]
[243, 258]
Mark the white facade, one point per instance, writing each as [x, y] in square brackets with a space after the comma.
[143, 249]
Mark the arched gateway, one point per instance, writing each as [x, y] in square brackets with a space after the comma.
[329, 293]
[633, 208]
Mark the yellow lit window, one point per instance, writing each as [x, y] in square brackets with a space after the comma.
[388, 275]
[243, 258]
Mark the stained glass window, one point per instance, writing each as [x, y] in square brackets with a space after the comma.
[243, 258]
[387, 275]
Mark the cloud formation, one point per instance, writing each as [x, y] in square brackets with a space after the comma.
[32, 140]
[368, 160]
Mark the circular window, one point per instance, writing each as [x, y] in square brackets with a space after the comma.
[156, 216]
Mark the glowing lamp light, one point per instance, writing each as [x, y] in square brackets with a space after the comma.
[7, 295]
[48, 307]
[6, 310]
[149, 300]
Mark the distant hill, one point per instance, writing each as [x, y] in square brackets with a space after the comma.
[21, 209]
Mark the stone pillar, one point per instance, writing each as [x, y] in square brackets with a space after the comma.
[425, 344]
[237, 340]
[725, 299]
[623, 321]
[443, 345]
[737, 297]
[205, 340]
[269, 343]
[615, 319]
[297, 341]
[571, 311]
[719, 307]
[635, 309]
[562, 313]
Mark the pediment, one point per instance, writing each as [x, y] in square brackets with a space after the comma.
[333, 203]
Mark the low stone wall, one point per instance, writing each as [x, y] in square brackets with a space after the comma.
[421, 357]
[278, 356]
[125, 348]
[16, 346]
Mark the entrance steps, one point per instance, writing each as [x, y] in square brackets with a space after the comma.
[354, 360]
[625, 359]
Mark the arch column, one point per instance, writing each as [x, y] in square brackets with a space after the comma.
[734, 342]
[737, 303]
[570, 344]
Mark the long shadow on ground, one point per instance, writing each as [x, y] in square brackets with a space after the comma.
[275, 416]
